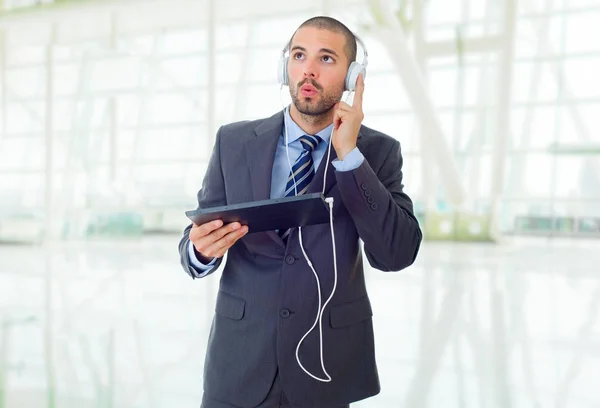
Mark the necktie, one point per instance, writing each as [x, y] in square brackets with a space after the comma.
[302, 172]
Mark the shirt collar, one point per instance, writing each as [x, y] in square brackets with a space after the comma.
[295, 132]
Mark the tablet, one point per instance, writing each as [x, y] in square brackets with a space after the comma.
[267, 215]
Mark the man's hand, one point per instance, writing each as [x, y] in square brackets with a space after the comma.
[347, 120]
[213, 239]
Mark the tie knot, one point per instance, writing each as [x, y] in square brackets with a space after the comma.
[310, 142]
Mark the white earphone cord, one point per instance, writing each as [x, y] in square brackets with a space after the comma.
[320, 310]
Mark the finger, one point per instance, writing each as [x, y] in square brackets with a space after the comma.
[343, 106]
[222, 251]
[229, 239]
[203, 243]
[222, 245]
[359, 91]
[207, 228]
[224, 230]
[198, 231]
[337, 118]
[341, 114]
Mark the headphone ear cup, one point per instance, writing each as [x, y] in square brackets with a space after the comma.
[354, 71]
[282, 76]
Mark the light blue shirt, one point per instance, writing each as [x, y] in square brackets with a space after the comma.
[281, 167]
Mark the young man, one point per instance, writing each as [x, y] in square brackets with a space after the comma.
[267, 299]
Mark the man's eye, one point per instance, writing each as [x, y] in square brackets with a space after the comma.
[298, 55]
[327, 58]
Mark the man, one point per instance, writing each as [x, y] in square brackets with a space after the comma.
[267, 298]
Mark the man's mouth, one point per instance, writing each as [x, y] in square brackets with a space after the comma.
[308, 90]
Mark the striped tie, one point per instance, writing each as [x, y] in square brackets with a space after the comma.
[302, 172]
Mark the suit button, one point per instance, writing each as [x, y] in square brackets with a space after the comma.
[284, 313]
[371, 200]
[368, 193]
[290, 259]
[363, 186]
[374, 206]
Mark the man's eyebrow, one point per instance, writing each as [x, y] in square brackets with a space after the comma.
[329, 51]
[326, 50]
[297, 47]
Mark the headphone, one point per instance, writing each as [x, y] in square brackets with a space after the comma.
[354, 70]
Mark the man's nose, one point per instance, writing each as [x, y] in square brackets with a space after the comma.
[310, 70]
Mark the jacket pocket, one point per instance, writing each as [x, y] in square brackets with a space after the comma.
[230, 306]
[349, 313]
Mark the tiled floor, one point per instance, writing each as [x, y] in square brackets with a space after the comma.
[120, 325]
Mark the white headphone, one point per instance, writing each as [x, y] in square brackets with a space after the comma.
[354, 70]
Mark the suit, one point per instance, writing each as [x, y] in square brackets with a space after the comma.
[267, 296]
[289, 147]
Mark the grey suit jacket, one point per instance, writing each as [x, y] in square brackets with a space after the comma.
[267, 298]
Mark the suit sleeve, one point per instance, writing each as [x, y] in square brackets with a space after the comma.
[382, 212]
[211, 194]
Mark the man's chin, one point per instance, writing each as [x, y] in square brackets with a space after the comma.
[309, 101]
[308, 106]
[312, 112]
[311, 108]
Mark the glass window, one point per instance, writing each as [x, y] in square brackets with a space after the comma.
[534, 127]
[581, 77]
[580, 32]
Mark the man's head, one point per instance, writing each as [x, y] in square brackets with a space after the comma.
[321, 50]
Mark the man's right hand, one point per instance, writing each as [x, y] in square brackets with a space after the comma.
[213, 239]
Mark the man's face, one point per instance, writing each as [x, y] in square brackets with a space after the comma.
[317, 69]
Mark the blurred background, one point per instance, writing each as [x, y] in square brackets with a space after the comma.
[108, 113]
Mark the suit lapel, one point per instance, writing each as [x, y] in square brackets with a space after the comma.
[260, 154]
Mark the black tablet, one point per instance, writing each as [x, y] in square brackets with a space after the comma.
[267, 215]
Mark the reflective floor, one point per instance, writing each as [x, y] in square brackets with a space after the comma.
[120, 325]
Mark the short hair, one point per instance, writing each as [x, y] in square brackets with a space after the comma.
[331, 24]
